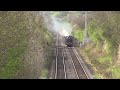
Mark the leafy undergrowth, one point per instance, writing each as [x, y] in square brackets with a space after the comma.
[23, 45]
[102, 46]
[115, 71]
[11, 69]
[44, 74]
[101, 62]
[13, 44]
[47, 56]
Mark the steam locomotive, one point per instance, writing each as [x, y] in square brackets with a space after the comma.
[69, 41]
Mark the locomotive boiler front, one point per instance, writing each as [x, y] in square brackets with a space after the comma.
[69, 41]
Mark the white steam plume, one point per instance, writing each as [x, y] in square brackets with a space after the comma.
[58, 25]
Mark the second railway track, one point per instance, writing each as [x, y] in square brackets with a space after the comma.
[81, 73]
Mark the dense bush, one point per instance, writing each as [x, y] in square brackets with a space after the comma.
[103, 29]
[16, 30]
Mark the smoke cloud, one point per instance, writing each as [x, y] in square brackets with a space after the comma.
[55, 24]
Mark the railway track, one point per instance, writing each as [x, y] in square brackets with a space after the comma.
[60, 65]
[68, 64]
[79, 69]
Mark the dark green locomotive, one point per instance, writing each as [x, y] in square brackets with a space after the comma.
[69, 41]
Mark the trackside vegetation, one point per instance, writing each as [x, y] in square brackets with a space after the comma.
[23, 46]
